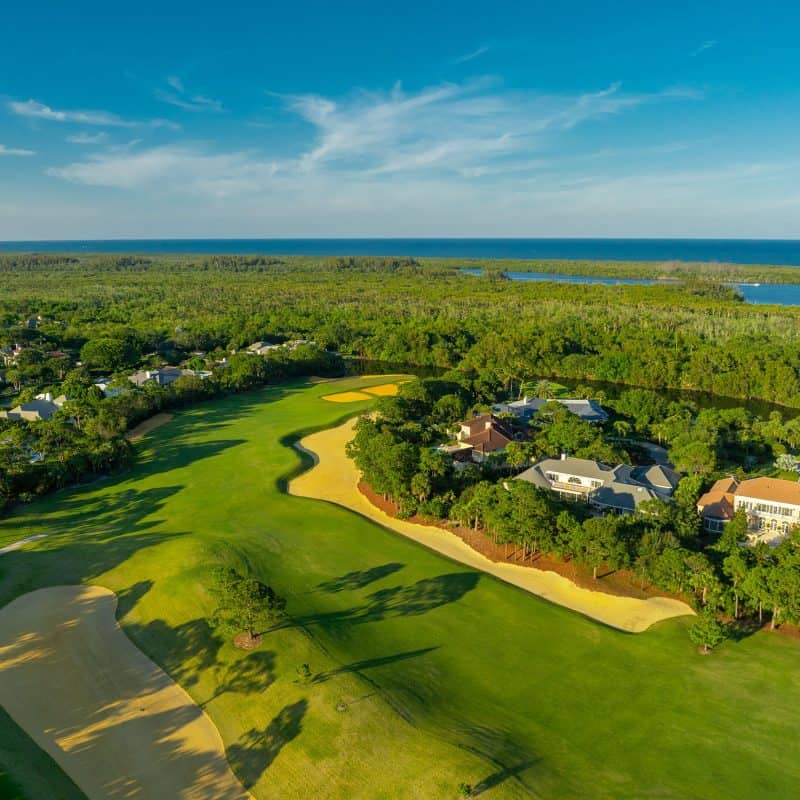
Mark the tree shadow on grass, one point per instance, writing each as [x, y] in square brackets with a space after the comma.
[501, 776]
[370, 663]
[183, 651]
[128, 598]
[358, 579]
[250, 674]
[397, 601]
[86, 537]
[253, 754]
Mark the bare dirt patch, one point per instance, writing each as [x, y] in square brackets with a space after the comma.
[113, 720]
[244, 641]
[334, 478]
[143, 428]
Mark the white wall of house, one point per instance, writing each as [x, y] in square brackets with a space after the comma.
[767, 516]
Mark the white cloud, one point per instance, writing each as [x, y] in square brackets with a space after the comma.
[35, 110]
[477, 52]
[180, 98]
[171, 168]
[707, 45]
[15, 151]
[451, 126]
[88, 138]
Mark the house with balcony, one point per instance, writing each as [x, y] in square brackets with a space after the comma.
[620, 488]
[772, 506]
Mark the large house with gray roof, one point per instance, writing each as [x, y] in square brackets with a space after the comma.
[587, 410]
[621, 488]
[42, 407]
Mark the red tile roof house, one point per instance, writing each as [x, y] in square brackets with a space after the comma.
[772, 506]
[481, 436]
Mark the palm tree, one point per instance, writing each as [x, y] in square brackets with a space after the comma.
[622, 428]
[544, 389]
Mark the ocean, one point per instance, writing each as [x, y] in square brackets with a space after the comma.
[737, 251]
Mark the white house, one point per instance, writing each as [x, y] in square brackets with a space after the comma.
[621, 488]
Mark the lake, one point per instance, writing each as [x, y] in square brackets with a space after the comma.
[784, 294]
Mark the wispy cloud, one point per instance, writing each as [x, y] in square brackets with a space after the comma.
[88, 138]
[451, 126]
[477, 52]
[35, 110]
[182, 99]
[451, 135]
[706, 45]
[184, 167]
[15, 151]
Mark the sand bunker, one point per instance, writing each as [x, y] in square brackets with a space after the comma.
[335, 478]
[346, 397]
[383, 390]
[115, 722]
[143, 428]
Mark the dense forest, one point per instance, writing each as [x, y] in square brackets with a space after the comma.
[114, 314]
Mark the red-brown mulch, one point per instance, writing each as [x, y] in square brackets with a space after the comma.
[621, 583]
[246, 642]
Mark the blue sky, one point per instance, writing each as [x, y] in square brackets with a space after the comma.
[177, 119]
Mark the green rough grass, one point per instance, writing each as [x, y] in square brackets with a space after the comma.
[449, 675]
[42, 777]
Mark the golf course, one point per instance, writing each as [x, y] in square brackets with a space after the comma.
[425, 673]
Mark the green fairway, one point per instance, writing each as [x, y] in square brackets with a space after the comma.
[447, 675]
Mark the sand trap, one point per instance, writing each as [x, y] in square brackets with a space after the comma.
[335, 478]
[346, 397]
[383, 390]
[143, 428]
[21, 543]
[115, 722]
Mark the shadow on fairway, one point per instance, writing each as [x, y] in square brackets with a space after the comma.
[252, 673]
[183, 651]
[255, 751]
[398, 601]
[360, 578]
[87, 538]
[128, 598]
[501, 776]
[370, 663]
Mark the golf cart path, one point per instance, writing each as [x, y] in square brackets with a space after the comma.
[334, 478]
[113, 720]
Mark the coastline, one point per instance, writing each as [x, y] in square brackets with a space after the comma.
[334, 478]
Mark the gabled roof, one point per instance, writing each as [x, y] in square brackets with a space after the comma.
[488, 441]
[657, 477]
[617, 489]
[718, 501]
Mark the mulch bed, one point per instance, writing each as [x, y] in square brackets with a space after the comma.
[621, 583]
[246, 642]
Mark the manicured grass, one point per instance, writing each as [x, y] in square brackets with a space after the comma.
[448, 675]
